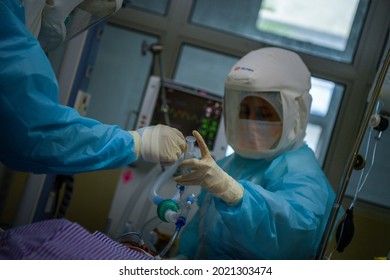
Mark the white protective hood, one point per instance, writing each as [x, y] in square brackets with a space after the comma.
[270, 70]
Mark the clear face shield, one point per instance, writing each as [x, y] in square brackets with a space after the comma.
[89, 13]
[254, 121]
[56, 21]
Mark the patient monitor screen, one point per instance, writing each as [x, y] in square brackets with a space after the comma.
[190, 109]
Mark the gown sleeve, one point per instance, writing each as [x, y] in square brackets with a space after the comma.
[37, 133]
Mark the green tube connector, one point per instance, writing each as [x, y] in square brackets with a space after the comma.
[164, 206]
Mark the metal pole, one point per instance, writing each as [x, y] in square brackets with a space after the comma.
[348, 171]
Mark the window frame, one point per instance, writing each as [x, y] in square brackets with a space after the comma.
[356, 77]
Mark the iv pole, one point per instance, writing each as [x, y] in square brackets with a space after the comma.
[353, 159]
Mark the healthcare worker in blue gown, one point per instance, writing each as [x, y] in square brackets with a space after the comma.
[270, 199]
[37, 133]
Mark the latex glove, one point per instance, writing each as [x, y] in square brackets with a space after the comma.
[206, 173]
[160, 143]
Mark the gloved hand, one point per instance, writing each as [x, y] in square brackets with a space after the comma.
[160, 143]
[206, 173]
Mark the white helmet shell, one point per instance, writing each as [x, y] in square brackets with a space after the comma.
[270, 70]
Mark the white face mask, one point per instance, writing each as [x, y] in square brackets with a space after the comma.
[257, 136]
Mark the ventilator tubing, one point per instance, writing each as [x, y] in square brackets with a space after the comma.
[176, 209]
[168, 209]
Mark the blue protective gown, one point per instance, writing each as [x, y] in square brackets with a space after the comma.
[37, 133]
[283, 213]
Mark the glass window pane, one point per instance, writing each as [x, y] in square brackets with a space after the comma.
[328, 29]
[218, 65]
[321, 91]
[155, 6]
[318, 22]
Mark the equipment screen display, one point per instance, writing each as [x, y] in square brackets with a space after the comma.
[190, 109]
